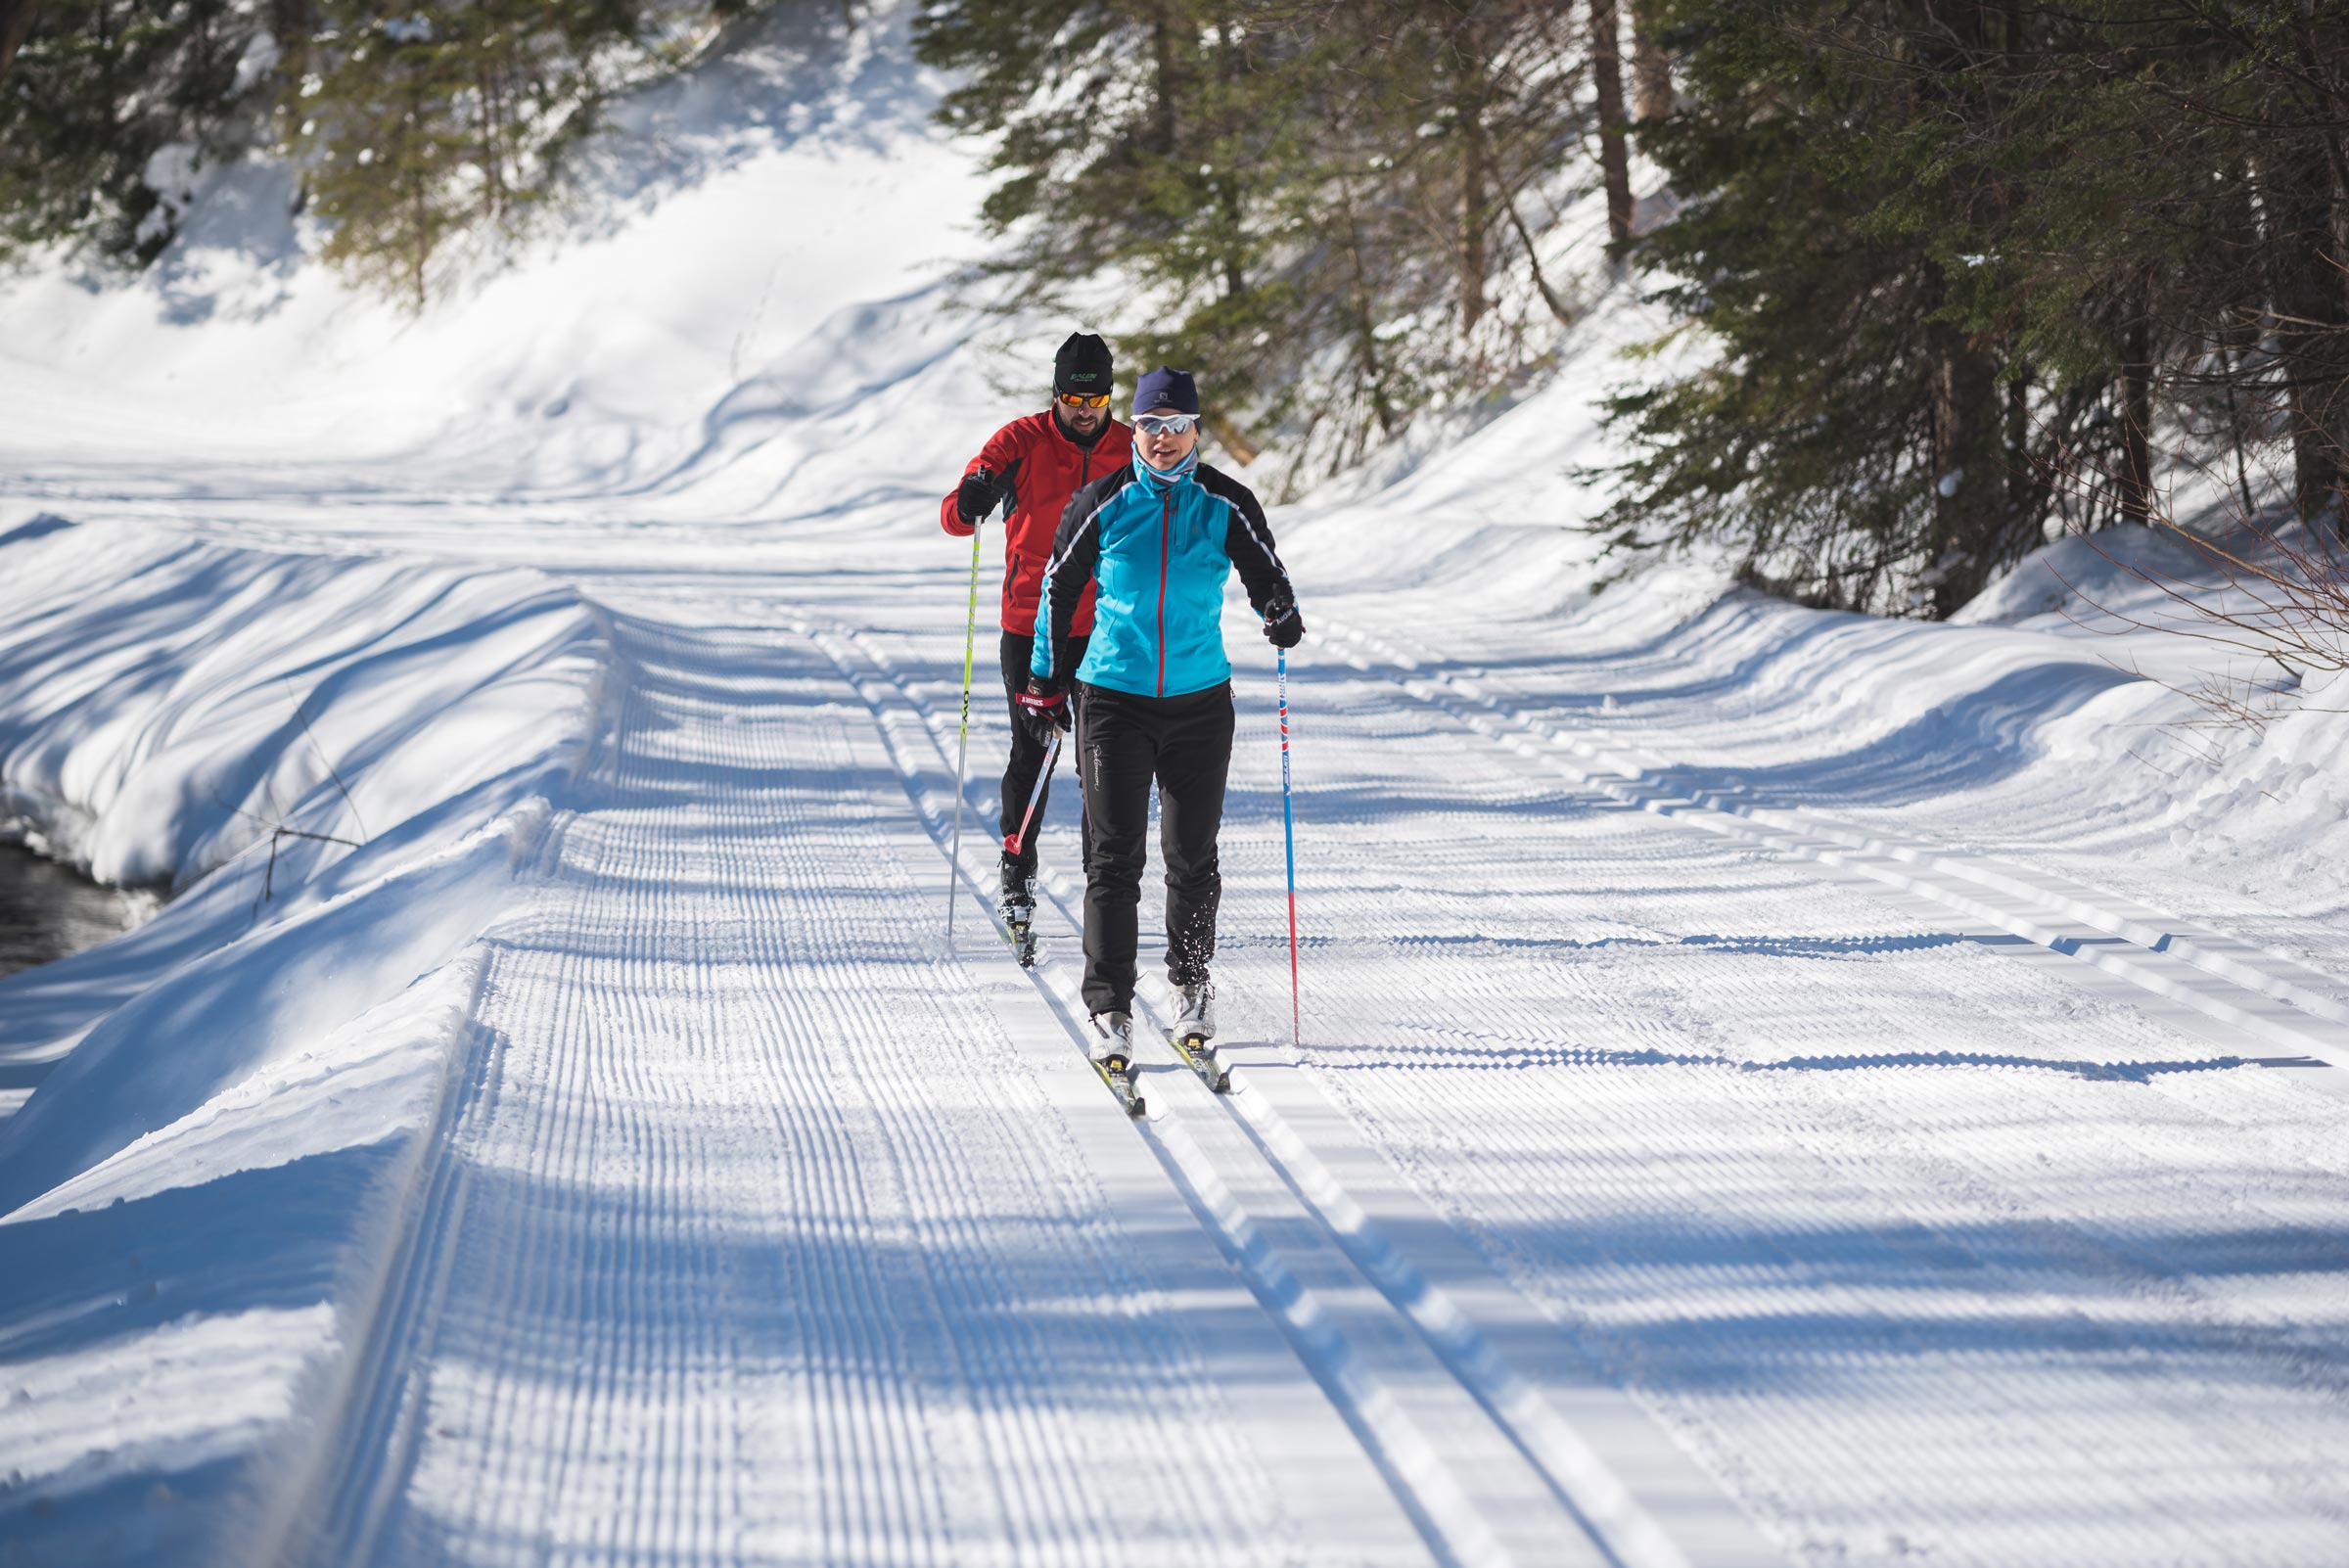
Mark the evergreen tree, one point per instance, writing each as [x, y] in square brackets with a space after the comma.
[2062, 243]
[394, 146]
[1309, 204]
[412, 122]
[96, 90]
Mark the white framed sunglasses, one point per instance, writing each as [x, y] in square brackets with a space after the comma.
[1164, 424]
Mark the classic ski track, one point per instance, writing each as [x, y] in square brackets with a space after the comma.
[2230, 981]
[2073, 1275]
[1423, 1480]
[2137, 1045]
[1917, 1205]
[1576, 1475]
[2127, 1243]
[594, 1332]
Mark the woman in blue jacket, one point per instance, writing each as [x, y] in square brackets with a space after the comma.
[1156, 540]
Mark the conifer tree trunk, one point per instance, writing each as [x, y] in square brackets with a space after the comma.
[1166, 123]
[1969, 448]
[1365, 326]
[1471, 96]
[16, 25]
[2137, 411]
[1970, 491]
[291, 22]
[488, 82]
[1614, 160]
[1230, 69]
[1475, 204]
[2312, 333]
[420, 195]
[1652, 96]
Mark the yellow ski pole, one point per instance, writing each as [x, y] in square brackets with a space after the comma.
[962, 746]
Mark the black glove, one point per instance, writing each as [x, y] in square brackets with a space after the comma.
[980, 493]
[1044, 707]
[1284, 627]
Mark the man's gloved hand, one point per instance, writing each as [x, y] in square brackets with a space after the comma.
[1284, 627]
[980, 493]
[1043, 709]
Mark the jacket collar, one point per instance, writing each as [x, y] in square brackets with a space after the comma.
[1166, 478]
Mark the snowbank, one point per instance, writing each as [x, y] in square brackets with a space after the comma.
[339, 758]
[2257, 800]
[347, 764]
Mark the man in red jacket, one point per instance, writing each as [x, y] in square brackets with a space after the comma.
[1040, 461]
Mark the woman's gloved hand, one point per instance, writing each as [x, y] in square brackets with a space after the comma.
[1043, 709]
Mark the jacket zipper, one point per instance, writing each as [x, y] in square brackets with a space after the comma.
[1166, 524]
[1084, 473]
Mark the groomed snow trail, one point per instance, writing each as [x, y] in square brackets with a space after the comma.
[1685, 1163]
[753, 1245]
[1646, 1192]
[1747, 1111]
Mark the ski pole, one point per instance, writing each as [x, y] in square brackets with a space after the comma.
[962, 746]
[1288, 827]
[1043, 776]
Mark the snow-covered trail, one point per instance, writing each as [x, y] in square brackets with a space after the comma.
[752, 1239]
[1858, 1204]
[1715, 1140]
[1770, 1089]
[1655, 1184]
[1751, 1108]
[761, 1230]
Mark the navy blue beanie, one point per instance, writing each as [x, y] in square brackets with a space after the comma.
[1166, 391]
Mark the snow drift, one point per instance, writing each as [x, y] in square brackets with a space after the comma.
[342, 763]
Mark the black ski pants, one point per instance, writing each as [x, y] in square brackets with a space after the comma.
[1184, 744]
[1027, 751]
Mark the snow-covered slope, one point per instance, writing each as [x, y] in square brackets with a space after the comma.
[1773, 1086]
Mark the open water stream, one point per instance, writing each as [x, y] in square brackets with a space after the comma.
[47, 911]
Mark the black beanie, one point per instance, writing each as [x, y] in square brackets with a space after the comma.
[1083, 365]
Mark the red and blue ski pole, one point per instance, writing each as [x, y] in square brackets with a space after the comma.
[1288, 827]
[1043, 775]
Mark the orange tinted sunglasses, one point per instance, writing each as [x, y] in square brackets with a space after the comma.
[1083, 400]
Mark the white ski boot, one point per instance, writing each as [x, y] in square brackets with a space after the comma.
[1194, 1033]
[1112, 1051]
[1197, 1020]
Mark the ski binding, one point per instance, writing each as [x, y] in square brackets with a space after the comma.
[1118, 1072]
[1200, 1057]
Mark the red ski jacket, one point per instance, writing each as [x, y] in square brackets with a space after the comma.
[1052, 467]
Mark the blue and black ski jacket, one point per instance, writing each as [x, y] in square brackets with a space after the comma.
[1160, 552]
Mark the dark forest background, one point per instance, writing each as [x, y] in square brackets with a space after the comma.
[1951, 275]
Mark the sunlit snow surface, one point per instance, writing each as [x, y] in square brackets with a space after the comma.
[1773, 1086]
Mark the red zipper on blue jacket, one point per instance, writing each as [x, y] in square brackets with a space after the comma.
[1166, 524]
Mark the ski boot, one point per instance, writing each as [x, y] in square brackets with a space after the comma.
[1194, 1034]
[1112, 1054]
[1015, 906]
